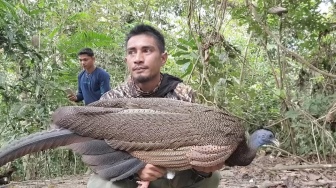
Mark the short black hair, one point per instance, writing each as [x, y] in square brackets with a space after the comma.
[148, 30]
[86, 51]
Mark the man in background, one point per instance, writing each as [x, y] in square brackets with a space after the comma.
[93, 81]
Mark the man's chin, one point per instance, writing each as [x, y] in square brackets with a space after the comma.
[141, 79]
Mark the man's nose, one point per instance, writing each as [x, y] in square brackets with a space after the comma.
[139, 58]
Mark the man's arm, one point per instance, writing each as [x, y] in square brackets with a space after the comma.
[79, 96]
[104, 83]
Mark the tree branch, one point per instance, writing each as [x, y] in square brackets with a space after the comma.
[299, 58]
[295, 167]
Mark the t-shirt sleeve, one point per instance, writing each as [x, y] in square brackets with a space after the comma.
[79, 92]
[104, 83]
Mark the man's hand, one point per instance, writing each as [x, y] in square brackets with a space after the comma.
[209, 169]
[72, 97]
[151, 172]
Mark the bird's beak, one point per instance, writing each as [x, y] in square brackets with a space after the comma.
[276, 142]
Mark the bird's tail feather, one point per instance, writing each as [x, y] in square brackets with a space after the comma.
[120, 170]
[108, 163]
[91, 147]
[38, 142]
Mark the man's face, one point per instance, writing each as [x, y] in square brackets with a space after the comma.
[86, 61]
[144, 58]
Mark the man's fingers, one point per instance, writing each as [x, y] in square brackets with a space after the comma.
[143, 184]
[72, 97]
[151, 172]
[158, 169]
[150, 176]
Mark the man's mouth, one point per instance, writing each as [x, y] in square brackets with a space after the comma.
[139, 68]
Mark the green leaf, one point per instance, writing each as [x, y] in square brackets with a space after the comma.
[24, 9]
[183, 41]
[79, 16]
[180, 53]
[213, 63]
[194, 55]
[6, 5]
[280, 93]
[182, 61]
[182, 47]
[53, 32]
[292, 114]
[187, 68]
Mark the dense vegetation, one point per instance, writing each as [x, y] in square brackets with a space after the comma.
[274, 70]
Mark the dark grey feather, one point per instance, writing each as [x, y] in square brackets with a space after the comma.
[107, 162]
[38, 142]
[91, 147]
[120, 170]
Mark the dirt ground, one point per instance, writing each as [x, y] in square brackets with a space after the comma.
[256, 175]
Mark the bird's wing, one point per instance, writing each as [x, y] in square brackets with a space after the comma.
[130, 129]
[174, 159]
[156, 104]
[186, 157]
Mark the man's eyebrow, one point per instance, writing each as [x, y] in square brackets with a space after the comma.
[130, 48]
[149, 46]
[142, 47]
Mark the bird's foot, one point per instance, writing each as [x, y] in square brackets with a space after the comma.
[143, 184]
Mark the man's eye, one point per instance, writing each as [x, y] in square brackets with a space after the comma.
[131, 52]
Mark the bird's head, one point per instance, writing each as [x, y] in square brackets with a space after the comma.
[262, 137]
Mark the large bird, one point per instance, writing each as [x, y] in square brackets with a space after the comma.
[117, 137]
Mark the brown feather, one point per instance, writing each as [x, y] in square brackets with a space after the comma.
[146, 127]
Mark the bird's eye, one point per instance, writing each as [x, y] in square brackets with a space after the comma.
[270, 136]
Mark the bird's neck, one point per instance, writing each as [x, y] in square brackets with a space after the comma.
[242, 156]
[253, 143]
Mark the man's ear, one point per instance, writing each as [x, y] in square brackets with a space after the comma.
[164, 57]
[128, 66]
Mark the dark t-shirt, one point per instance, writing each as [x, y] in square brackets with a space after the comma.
[92, 86]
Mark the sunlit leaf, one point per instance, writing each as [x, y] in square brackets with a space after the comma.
[182, 47]
[182, 61]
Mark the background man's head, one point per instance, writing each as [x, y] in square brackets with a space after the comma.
[145, 53]
[86, 58]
